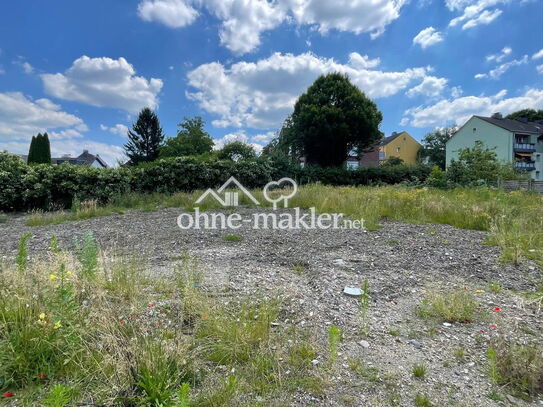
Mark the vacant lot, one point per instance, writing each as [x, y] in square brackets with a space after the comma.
[435, 299]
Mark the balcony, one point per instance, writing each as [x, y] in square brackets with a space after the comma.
[525, 165]
[524, 147]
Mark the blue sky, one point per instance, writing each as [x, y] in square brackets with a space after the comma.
[81, 70]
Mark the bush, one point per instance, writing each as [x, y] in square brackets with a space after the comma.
[50, 187]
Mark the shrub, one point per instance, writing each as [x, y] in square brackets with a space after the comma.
[517, 366]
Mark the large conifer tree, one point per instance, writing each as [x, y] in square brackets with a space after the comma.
[145, 138]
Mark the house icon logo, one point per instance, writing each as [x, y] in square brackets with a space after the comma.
[230, 199]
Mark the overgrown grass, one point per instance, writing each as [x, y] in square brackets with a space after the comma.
[519, 367]
[91, 328]
[514, 220]
[456, 306]
[3, 218]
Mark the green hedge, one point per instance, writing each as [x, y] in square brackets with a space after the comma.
[24, 187]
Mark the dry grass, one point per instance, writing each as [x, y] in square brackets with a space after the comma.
[91, 327]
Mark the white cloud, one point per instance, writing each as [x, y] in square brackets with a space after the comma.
[104, 82]
[118, 129]
[456, 91]
[264, 138]
[540, 69]
[479, 12]
[538, 55]
[427, 37]
[499, 57]
[239, 136]
[457, 4]
[27, 68]
[459, 110]
[171, 13]
[261, 94]
[22, 118]
[243, 21]
[497, 72]
[430, 87]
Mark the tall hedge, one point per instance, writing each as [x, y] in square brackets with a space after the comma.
[24, 187]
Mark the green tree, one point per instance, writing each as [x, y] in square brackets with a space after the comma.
[478, 165]
[530, 114]
[145, 139]
[236, 151]
[40, 150]
[434, 146]
[191, 139]
[331, 119]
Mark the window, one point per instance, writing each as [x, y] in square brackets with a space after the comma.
[398, 149]
[352, 165]
[381, 155]
[537, 175]
[538, 157]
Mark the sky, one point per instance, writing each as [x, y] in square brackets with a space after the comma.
[81, 70]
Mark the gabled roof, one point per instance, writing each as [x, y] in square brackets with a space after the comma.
[88, 159]
[389, 139]
[514, 126]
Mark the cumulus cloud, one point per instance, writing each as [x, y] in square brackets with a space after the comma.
[430, 87]
[538, 55]
[480, 12]
[261, 94]
[104, 82]
[499, 57]
[21, 117]
[243, 21]
[539, 69]
[118, 129]
[427, 37]
[239, 136]
[171, 13]
[497, 72]
[459, 110]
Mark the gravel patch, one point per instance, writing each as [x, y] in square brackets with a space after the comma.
[310, 271]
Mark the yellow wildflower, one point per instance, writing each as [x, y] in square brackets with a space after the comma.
[69, 273]
[52, 277]
[57, 325]
[479, 291]
[42, 316]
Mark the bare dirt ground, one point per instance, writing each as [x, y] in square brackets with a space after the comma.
[310, 269]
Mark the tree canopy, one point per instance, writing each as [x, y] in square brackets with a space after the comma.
[145, 138]
[236, 151]
[434, 145]
[530, 114]
[330, 120]
[40, 150]
[191, 139]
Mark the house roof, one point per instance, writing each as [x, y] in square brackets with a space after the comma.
[88, 159]
[514, 126]
[390, 139]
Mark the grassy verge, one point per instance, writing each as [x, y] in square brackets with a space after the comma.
[87, 328]
[514, 220]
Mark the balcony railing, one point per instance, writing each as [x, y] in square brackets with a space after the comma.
[525, 147]
[525, 165]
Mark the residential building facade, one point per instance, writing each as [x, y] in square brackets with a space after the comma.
[84, 159]
[400, 145]
[514, 141]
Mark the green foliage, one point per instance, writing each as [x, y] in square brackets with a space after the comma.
[437, 178]
[88, 251]
[518, 366]
[335, 336]
[434, 144]
[191, 139]
[59, 396]
[364, 309]
[392, 161]
[145, 139]
[40, 150]
[422, 400]
[332, 118]
[458, 306]
[419, 371]
[478, 165]
[233, 238]
[236, 151]
[529, 114]
[22, 252]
